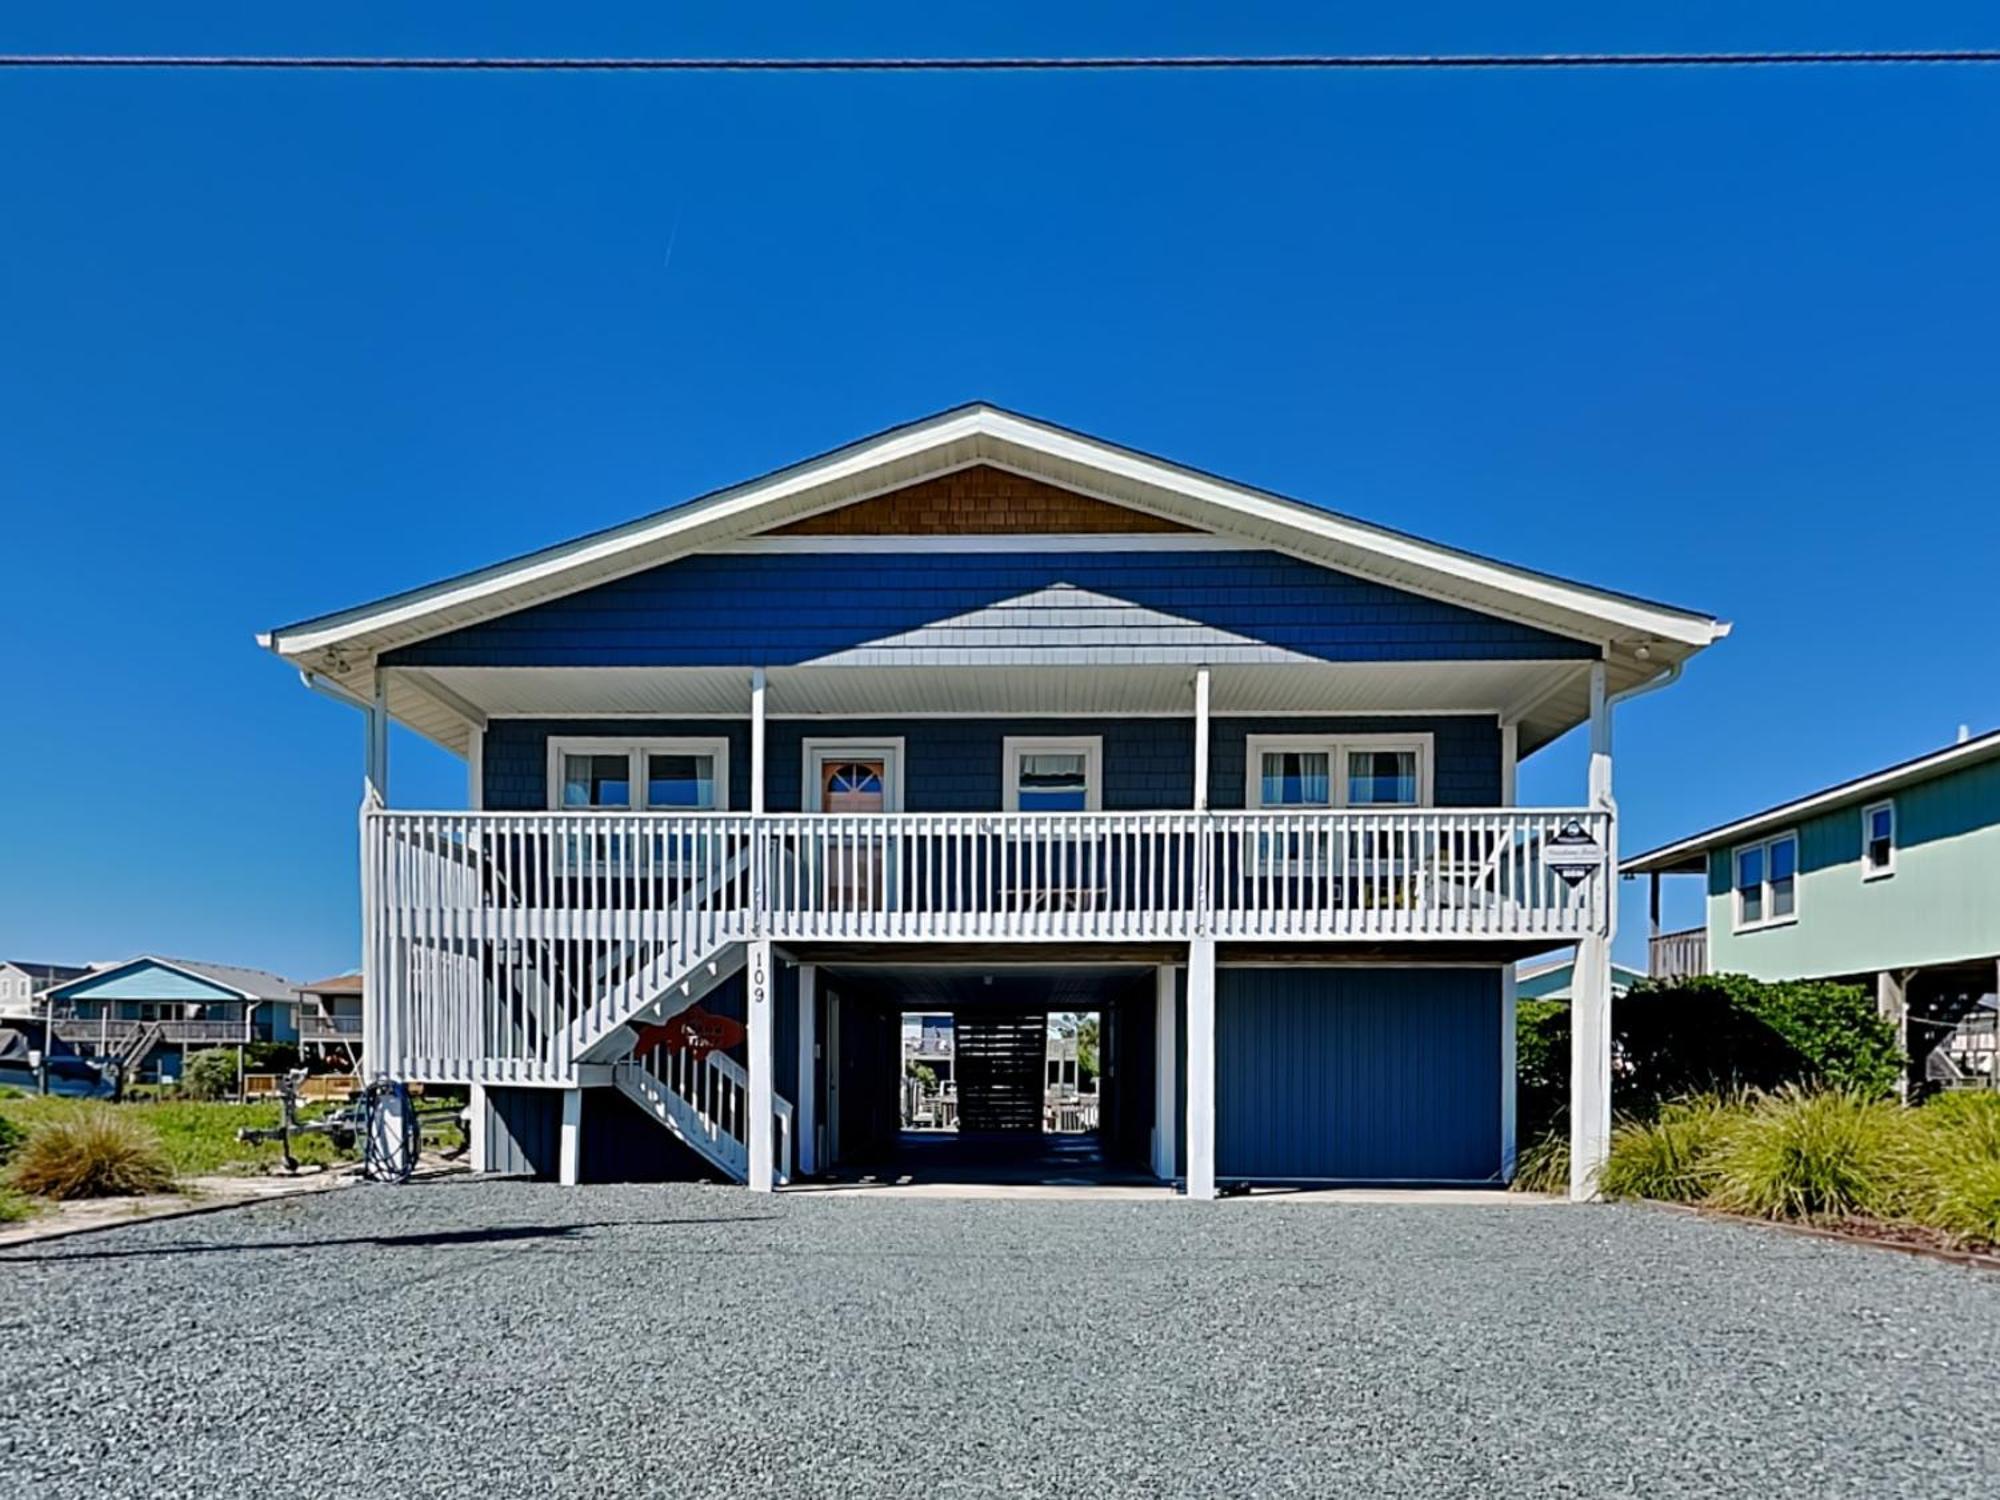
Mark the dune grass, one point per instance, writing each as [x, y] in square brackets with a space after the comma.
[1835, 1153]
[95, 1151]
[1827, 1156]
[198, 1139]
[1672, 1156]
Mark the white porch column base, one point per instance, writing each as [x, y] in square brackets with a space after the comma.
[1590, 1067]
[762, 1033]
[1166, 1095]
[805, 1108]
[1201, 1068]
[569, 1168]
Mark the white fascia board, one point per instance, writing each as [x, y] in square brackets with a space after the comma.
[55, 992]
[1857, 791]
[1478, 582]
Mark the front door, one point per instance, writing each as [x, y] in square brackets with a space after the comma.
[856, 780]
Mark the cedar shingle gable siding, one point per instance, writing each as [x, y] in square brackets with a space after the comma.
[1032, 607]
[979, 501]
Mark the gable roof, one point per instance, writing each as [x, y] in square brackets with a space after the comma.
[245, 984]
[342, 646]
[1689, 855]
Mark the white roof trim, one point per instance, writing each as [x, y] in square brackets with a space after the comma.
[983, 434]
[1861, 789]
[97, 975]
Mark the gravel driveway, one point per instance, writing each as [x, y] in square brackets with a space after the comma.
[468, 1338]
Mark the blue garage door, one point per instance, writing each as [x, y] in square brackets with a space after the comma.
[1361, 1075]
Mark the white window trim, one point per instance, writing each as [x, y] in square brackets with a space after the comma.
[1336, 747]
[1887, 804]
[635, 752]
[814, 751]
[1090, 747]
[1737, 924]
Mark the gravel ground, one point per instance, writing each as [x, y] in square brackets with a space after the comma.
[467, 1339]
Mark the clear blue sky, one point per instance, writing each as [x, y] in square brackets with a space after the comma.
[274, 344]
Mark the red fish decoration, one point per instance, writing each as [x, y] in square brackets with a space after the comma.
[693, 1030]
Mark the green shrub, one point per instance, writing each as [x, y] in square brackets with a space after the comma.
[11, 1136]
[270, 1057]
[1805, 1155]
[1541, 1065]
[93, 1151]
[14, 1206]
[1720, 1033]
[211, 1074]
[1672, 1156]
[1544, 1166]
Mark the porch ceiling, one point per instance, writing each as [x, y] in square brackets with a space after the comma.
[1544, 697]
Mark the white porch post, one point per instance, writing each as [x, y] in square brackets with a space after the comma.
[375, 761]
[1590, 990]
[1201, 1068]
[1201, 739]
[569, 1167]
[757, 740]
[805, 1109]
[475, 769]
[762, 1029]
[1166, 1096]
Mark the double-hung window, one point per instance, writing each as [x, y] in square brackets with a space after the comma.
[1052, 775]
[1329, 771]
[1878, 840]
[1767, 881]
[612, 775]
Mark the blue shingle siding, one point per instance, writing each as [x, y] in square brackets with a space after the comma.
[955, 765]
[778, 609]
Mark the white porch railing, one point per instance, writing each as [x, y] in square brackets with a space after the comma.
[501, 946]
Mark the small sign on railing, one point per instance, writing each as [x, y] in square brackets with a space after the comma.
[1574, 855]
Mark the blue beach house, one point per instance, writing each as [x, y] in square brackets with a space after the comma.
[988, 718]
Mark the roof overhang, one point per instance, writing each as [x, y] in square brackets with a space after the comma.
[1689, 856]
[1640, 639]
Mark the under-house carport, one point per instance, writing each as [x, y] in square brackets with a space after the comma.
[1000, 1075]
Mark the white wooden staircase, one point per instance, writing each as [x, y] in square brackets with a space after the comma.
[703, 1099]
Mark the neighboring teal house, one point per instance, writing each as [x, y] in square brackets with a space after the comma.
[1551, 978]
[1891, 880]
[150, 1012]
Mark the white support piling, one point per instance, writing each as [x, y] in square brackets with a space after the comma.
[1201, 1068]
[478, 1141]
[1590, 989]
[569, 1168]
[761, 1096]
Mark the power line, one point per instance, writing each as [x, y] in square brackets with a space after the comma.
[1298, 62]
